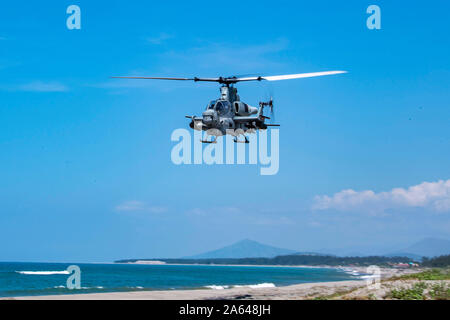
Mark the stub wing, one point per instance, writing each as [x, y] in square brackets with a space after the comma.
[241, 119]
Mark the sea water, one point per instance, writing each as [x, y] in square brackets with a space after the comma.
[27, 279]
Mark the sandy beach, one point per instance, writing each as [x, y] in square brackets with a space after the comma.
[288, 292]
[340, 290]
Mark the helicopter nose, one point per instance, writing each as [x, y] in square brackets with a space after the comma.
[208, 117]
[208, 113]
[198, 125]
[207, 120]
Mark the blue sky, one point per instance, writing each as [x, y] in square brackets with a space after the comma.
[85, 170]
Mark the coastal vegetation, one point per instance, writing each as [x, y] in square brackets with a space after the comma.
[437, 262]
[422, 291]
[432, 284]
[433, 274]
[415, 292]
[289, 260]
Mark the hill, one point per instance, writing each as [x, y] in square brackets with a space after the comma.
[412, 256]
[437, 262]
[428, 247]
[296, 260]
[244, 249]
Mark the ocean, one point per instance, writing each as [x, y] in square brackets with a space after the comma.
[28, 279]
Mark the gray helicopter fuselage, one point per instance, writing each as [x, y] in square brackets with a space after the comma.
[229, 115]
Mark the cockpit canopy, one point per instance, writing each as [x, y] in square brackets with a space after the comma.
[211, 105]
[221, 106]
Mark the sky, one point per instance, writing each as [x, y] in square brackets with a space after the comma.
[85, 163]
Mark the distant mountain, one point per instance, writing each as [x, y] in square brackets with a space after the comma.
[429, 247]
[244, 249]
[345, 252]
[308, 253]
[412, 256]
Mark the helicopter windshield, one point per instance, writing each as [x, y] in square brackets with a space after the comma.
[211, 104]
[223, 107]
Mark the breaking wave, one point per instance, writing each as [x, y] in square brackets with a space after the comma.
[82, 288]
[252, 286]
[43, 273]
[217, 287]
[257, 286]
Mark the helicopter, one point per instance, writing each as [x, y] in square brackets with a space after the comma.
[230, 115]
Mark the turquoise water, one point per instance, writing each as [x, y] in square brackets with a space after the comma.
[25, 279]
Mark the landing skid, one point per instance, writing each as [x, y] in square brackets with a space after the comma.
[206, 141]
[237, 141]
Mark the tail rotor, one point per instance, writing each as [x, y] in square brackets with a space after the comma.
[269, 97]
[270, 104]
[272, 112]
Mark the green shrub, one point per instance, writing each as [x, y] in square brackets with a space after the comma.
[416, 292]
[434, 274]
[440, 291]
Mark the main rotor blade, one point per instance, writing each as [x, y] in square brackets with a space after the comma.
[179, 79]
[152, 78]
[291, 76]
[303, 75]
[231, 80]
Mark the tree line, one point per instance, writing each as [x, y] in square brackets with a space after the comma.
[288, 260]
[437, 262]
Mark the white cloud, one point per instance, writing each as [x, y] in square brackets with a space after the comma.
[225, 55]
[273, 221]
[125, 83]
[243, 216]
[160, 38]
[200, 60]
[427, 195]
[130, 206]
[139, 206]
[213, 211]
[39, 86]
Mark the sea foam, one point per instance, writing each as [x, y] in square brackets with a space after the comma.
[257, 286]
[217, 287]
[252, 286]
[43, 273]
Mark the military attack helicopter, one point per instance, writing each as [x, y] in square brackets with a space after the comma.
[228, 114]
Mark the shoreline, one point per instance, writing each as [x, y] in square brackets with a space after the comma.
[283, 293]
[289, 292]
[385, 272]
[237, 265]
[355, 268]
